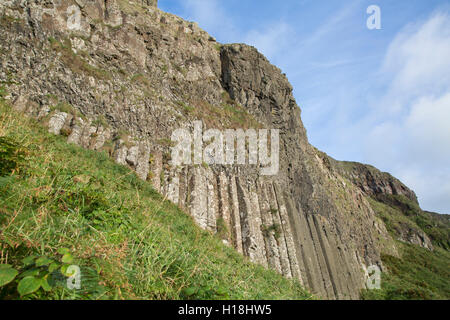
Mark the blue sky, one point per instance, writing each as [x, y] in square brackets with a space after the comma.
[375, 96]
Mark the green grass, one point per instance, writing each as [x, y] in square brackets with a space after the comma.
[394, 220]
[75, 61]
[128, 241]
[417, 273]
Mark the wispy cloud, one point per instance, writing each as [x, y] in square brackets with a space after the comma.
[420, 59]
[412, 138]
[331, 24]
[211, 16]
[272, 40]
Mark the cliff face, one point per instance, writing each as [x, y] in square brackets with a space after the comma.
[389, 191]
[372, 181]
[128, 75]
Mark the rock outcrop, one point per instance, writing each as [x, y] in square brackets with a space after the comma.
[123, 75]
[383, 187]
[370, 180]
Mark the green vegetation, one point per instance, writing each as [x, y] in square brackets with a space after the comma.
[141, 78]
[239, 116]
[187, 109]
[3, 92]
[205, 165]
[181, 69]
[222, 229]
[63, 106]
[7, 21]
[166, 142]
[38, 272]
[417, 273]
[74, 61]
[394, 220]
[101, 122]
[397, 209]
[128, 242]
[274, 228]
[10, 156]
[227, 116]
[132, 8]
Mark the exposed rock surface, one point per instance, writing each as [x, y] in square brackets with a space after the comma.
[128, 75]
[370, 180]
[381, 186]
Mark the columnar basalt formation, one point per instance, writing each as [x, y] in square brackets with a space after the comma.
[129, 74]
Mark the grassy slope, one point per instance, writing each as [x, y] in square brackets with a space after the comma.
[418, 273]
[128, 241]
[397, 210]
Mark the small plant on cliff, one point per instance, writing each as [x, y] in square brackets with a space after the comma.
[100, 122]
[273, 211]
[66, 107]
[187, 109]
[205, 165]
[74, 61]
[274, 229]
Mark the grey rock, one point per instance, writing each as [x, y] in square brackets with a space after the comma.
[57, 122]
[132, 156]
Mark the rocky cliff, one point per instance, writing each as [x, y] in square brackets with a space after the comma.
[386, 189]
[372, 181]
[121, 76]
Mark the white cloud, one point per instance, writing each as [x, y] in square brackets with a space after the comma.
[282, 44]
[428, 125]
[211, 16]
[432, 187]
[272, 40]
[412, 137]
[420, 59]
[331, 24]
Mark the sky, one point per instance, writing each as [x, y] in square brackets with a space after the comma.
[379, 96]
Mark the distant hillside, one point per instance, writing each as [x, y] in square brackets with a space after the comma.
[420, 270]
